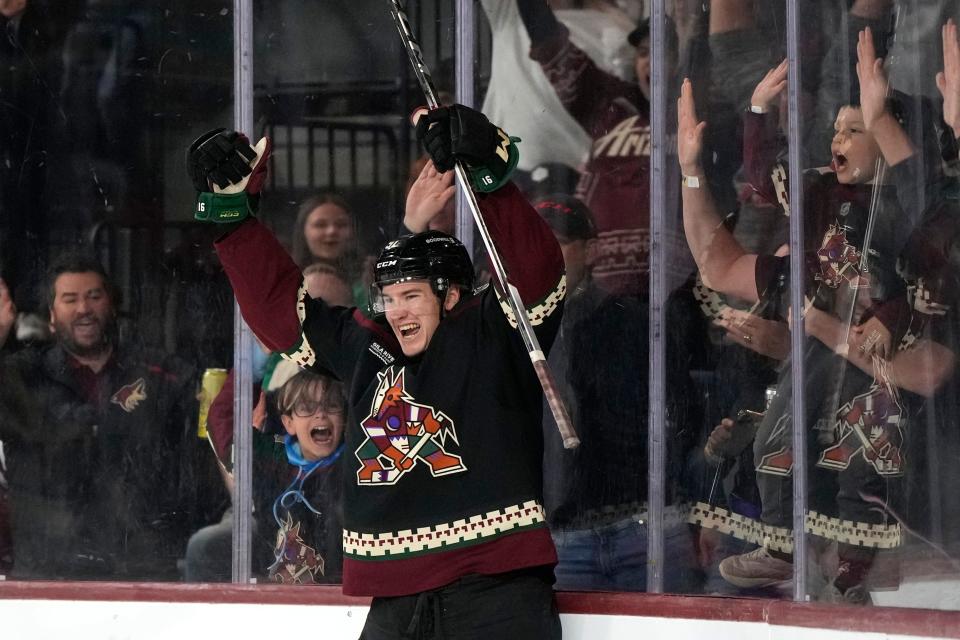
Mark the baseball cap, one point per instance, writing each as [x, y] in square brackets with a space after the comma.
[567, 216]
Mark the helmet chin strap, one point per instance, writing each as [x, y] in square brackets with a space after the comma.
[441, 289]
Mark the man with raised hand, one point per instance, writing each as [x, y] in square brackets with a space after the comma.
[443, 517]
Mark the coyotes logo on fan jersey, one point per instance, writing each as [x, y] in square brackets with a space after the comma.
[869, 425]
[838, 259]
[296, 561]
[400, 433]
[130, 396]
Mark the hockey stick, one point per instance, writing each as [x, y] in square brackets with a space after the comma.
[537, 357]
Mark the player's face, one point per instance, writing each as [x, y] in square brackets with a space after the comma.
[328, 232]
[316, 422]
[413, 312]
[82, 313]
[641, 65]
[855, 151]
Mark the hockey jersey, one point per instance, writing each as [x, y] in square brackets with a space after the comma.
[616, 177]
[443, 459]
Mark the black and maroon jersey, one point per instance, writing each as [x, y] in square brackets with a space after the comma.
[616, 178]
[839, 221]
[929, 265]
[442, 466]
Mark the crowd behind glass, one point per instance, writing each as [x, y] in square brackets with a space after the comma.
[116, 403]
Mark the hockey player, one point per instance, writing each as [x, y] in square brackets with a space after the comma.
[442, 485]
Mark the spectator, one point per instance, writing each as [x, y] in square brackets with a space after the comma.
[307, 512]
[616, 115]
[32, 33]
[596, 496]
[446, 221]
[323, 281]
[325, 231]
[209, 549]
[100, 457]
[862, 403]
[520, 96]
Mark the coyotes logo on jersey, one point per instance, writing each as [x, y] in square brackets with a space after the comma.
[779, 462]
[869, 425]
[296, 561]
[131, 395]
[839, 260]
[400, 433]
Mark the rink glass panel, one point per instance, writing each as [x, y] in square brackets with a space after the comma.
[100, 100]
[723, 352]
[126, 88]
[881, 446]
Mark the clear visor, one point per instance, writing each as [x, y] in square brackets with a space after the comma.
[412, 299]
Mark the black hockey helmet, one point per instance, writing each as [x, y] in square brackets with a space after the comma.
[434, 256]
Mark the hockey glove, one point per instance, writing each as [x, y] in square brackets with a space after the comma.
[460, 133]
[228, 174]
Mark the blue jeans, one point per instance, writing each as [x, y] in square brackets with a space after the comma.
[614, 557]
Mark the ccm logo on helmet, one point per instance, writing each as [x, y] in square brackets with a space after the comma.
[386, 263]
[448, 240]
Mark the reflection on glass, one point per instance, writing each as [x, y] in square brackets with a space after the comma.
[108, 310]
[879, 357]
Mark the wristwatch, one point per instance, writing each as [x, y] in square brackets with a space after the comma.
[691, 181]
[757, 109]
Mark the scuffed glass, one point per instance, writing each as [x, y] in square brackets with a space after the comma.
[573, 83]
[113, 304]
[879, 196]
[881, 323]
[333, 90]
[727, 337]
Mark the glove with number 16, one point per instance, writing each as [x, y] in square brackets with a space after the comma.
[228, 174]
[460, 133]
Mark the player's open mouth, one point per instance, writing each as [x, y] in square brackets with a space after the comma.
[409, 329]
[321, 435]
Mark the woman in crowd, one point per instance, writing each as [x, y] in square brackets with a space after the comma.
[325, 232]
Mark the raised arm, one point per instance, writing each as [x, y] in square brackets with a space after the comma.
[723, 263]
[228, 174]
[761, 140]
[948, 80]
[584, 89]
[893, 141]
[525, 243]
[8, 313]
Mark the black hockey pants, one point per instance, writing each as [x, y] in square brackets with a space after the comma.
[516, 605]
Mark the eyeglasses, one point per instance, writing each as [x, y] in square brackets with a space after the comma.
[308, 409]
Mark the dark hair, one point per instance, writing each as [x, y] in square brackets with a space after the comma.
[78, 263]
[642, 32]
[922, 123]
[349, 262]
[306, 383]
